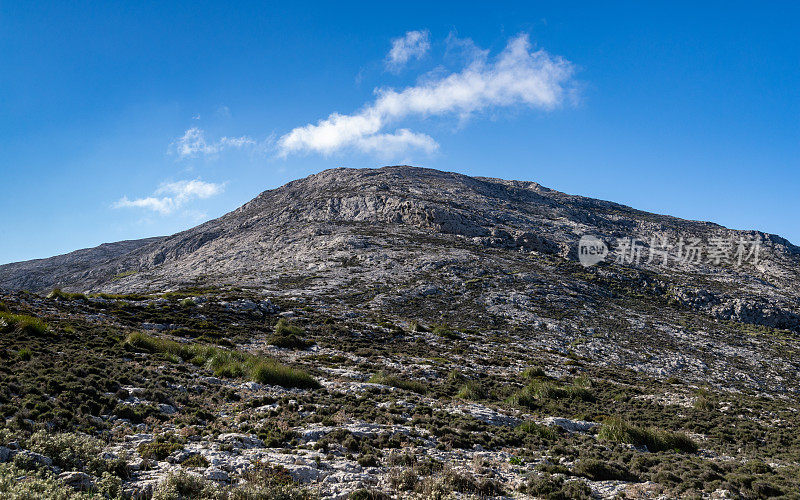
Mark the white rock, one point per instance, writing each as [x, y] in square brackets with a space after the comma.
[570, 425]
[215, 474]
[79, 481]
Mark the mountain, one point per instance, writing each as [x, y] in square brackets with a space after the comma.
[408, 333]
[402, 227]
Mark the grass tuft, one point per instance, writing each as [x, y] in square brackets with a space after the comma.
[394, 381]
[22, 323]
[540, 390]
[57, 293]
[288, 336]
[472, 390]
[617, 430]
[540, 430]
[226, 362]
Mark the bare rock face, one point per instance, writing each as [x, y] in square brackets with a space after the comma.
[395, 226]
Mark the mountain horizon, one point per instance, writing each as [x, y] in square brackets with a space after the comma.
[47, 270]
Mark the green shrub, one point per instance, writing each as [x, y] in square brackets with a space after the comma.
[472, 390]
[57, 293]
[455, 376]
[598, 470]
[196, 460]
[226, 362]
[617, 430]
[365, 494]
[540, 390]
[533, 372]
[187, 302]
[123, 275]
[288, 336]
[22, 323]
[393, 381]
[24, 354]
[73, 451]
[266, 475]
[136, 414]
[446, 332]
[283, 327]
[443, 484]
[160, 448]
[539, 430]
[417, 327]
[268, 371]
[181, 485]
[556, 488]
[19, 484]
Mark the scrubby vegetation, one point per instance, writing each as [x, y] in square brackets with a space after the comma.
[22, 323]
[395, 381]
[225, 362]
[288, 336]
[538, 391]
[616, 429]
[467, 414]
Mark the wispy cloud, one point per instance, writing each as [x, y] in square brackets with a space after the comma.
[518, 76]
[172, 196]
[413, 45]
[193, 144]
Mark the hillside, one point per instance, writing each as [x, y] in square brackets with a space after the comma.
[409, 332]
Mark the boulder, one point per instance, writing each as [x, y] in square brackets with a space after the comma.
[79, 481]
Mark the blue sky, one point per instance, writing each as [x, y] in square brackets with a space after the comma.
[127, 120]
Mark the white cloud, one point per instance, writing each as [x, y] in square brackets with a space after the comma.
[518, 76]
[172, 196]
[160, 205]
[389, 144]
[413, 45]
[193, 144]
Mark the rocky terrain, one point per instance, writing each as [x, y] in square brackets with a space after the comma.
[404, 332]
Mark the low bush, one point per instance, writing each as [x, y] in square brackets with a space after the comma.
[22, 323]
[226, 362]
[365, 494]
[184, 485]
[20, 484]
[266, 475]
[598, 470]
[542, 431]
[288, 336]
[556, 488]
[617, 430]
[187, 302]
[73, 451]
[283, 327]
[533, 372]
[417, 327]
[545, 390]
[57, 293]
[160, 448]
[393, 381]
[472, 390]
[268, 371]
[443, 484]
[196, 460]
[446, 332]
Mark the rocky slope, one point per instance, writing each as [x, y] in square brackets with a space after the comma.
[404, 332]
[391, 225]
